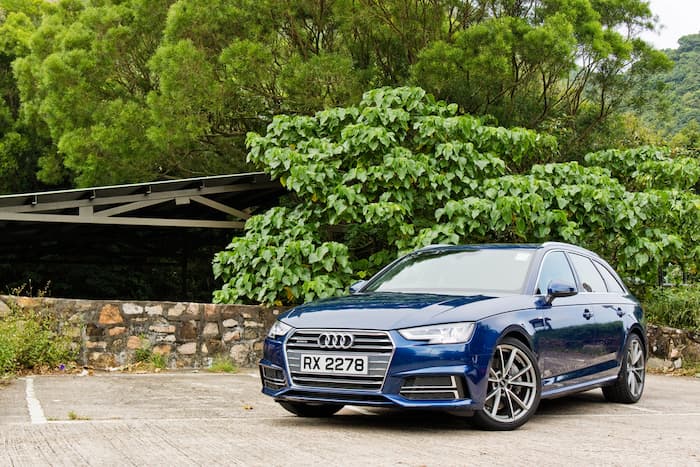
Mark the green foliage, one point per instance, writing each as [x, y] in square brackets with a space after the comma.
[21, 144]
[286, 253]
[31, 339]
[675, 94]
[104, 92]
[359, 168]
[684, 81]
[560, 66]
[158, 361]
[145, 354]
[678, 307]
[86, 79]
[649, 167]
[222, 364]
[73, 416]
[400, 171]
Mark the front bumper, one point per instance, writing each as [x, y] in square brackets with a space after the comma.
[443, 377]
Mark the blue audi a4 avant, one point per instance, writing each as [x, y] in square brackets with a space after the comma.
[482, 330]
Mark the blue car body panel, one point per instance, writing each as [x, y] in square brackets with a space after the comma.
[578, 340]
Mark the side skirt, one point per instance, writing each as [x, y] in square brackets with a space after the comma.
[553, 393]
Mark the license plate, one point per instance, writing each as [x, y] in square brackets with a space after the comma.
[334, 364]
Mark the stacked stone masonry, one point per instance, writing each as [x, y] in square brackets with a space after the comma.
[189, 335]
[674, 346]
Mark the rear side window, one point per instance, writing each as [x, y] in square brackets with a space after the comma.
[591, 280]
[610, 281]
[555, 268]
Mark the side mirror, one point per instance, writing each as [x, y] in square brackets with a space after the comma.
[354, 288]
[559, 289]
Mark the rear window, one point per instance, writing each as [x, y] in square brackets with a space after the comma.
[591, 280]
[610, 281]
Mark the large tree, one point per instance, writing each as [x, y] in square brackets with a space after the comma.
[22, 142]
[563, 66]
[87, 78]
[131, 90]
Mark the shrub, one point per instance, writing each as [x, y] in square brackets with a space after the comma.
[30, 339]
[400, 171]
[158, 361]
[146, 356]
[678, 307]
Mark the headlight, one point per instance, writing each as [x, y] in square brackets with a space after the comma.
[279, 329]
[455, 333]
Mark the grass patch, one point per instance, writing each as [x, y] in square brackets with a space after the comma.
[147, 359]
[158, 361]
[689, 368]
[74, 416]
[222, 364]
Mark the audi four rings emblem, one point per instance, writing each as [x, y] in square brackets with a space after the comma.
[335, 340]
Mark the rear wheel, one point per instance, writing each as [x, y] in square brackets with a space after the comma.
[514, 387]
[311, 410]
[629, 384]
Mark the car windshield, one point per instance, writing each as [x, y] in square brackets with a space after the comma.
[456, 272]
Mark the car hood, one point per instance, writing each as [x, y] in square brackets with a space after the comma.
[386, 311]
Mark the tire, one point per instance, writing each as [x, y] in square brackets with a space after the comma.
[629, 385]
[302, 409]
[512, 396]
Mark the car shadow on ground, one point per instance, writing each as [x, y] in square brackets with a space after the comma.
[576, 404]
[428, 420]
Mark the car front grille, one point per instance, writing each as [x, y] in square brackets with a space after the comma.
[375, 345]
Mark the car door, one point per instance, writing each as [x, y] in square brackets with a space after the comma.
[562, 332]
[616, 307]
[606, 314]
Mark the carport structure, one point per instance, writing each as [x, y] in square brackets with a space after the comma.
[146, 240]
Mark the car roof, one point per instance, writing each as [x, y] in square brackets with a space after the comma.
[513, 246]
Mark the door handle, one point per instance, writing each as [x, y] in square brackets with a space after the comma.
[587, 314]
[620, 312]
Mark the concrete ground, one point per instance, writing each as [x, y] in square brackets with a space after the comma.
[190, 418]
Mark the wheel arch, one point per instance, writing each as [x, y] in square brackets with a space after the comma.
[517, 332]
[639, 331]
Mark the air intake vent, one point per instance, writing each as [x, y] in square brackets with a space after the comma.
[433, 388]
[272, 378]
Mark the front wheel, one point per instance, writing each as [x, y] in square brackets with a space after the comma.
[629, 385]
[514, 387]
[311, 410]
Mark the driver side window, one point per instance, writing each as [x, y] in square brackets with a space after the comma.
[555, 267]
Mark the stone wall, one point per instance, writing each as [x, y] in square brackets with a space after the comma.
[673, 345]
[188, 335]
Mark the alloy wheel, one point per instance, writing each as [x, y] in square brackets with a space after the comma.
[635, 368]
[512, 385]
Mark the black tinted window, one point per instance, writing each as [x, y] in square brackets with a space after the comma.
[591, 281]
[610, 281]
[554, 268]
